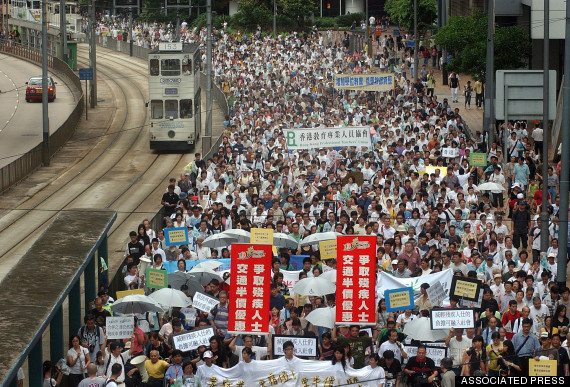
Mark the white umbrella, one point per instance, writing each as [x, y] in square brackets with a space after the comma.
[210, 264]
[136, 303]
[322, 317]
[171, 298]
[314, 286]
[283, 240]
[218, 240]
[314, 239]
[204, 276]
[329, 276]
[240, 236]
[491, 187]
[420, 329]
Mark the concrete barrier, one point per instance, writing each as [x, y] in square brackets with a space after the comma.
[20, 168]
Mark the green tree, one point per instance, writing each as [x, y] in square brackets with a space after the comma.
[251, 13]
[465, 37]
[402, 12]
[298, 10]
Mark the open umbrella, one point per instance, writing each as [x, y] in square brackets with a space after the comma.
[218, 240]
[194, 286]
[420, 329]
[322, 317]
[177, 279]
[210, 264]
[314, 286]
[136, 303]
[240, 236]
[314, 239]
[491, 187]
[329, 276]
[284, 241]
[204, 276]
[171, 298]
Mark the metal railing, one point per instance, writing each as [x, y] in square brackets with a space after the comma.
[18, 169]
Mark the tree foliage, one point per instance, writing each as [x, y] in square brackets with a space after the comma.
[402, 12]
[298, 10]
[465, 37]
[251, 13]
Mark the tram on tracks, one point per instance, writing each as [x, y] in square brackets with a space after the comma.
[174, 96]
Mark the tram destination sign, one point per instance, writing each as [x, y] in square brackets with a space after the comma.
[166, 46]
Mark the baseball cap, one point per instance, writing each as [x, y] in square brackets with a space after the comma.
[208, 354]
[544, 335]
[520, 196]
[395, 262]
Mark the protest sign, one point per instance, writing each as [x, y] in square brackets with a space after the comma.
[436, 353]
[465, 288]
[156, 279]
[304, 346]
[261, 236]
[356, 268]
[436, 293]
[450, 152]
[542, 367]
[250, 288]
[189, 316]
[123, 293]
[120, 327]
[203, 302]
[452, 318]
[304, 138]
[327, 249]
[369, 82]
[431, 169]
[188, 341]
[399, 299]
[175, 236]
[387, 281]
[297, 261]
[478, 159]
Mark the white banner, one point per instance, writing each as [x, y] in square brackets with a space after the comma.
[120, 327]
[290, 278]
[188, 341]
[203, 302]
[292, 373]
[328, 137]
[387, 282]
[304, 346]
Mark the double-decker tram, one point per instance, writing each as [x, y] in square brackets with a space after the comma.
[174, 96]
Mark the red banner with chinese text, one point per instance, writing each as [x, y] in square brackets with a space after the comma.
[250, 288]
[356, 279]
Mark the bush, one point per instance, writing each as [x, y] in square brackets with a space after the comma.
[325, 22]
[346, 20]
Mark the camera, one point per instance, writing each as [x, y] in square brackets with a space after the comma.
[91, 348]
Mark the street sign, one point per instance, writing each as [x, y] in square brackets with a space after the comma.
[519, 95]
[86, 74]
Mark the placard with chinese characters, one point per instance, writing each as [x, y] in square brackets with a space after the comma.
[188, 341]
[304, 138]
[156, 279]
[465, 288]
[304, 346]
[250, 288]
[176, 236]
[399, 299]
[452, 318]
[262, 236]
[370, 82]
[327, 249]
[203, 302]
[120, 327]
[355, 281]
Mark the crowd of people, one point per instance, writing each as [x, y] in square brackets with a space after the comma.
[415, 188]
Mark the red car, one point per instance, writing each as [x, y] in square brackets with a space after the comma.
[34, 89]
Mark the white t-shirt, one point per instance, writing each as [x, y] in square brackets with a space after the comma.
[387, 345]
[260, 352]
[76, 369]
[404, 319]
[537, 134]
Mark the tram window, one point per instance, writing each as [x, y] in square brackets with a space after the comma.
[186, 66]
[170, 67]
[156, 111]
[171, 108]
[185, 108]
[154, 67]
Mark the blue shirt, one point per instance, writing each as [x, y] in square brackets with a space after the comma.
[529, 347]
[521, 173]
[174, 371]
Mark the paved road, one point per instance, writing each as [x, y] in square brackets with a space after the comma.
[21, 122]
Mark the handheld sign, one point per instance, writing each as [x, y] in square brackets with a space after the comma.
[435, 353]
[452, 318]
[203, 302]
[399, 299]
[123, 293]
[450, 152]
[156, 279]
[465, 288]
[478, 159]
[542, 367]
[120, 327]
[176, 236]
[327, 249]
[262, 236]
[188, 341]
[304, 346]
[436, 293]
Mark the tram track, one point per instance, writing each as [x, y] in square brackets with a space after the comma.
[114, 174]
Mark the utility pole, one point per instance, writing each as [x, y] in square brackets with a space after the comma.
[45, 116]
[564, 182]
[130, 28]
[93, 55]
[489, 113]
[416, 42]
[177, 20]
[63, 30]
[444, 50]
[275, 17]
[366, 34]
[207, 141]
[544, 218]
